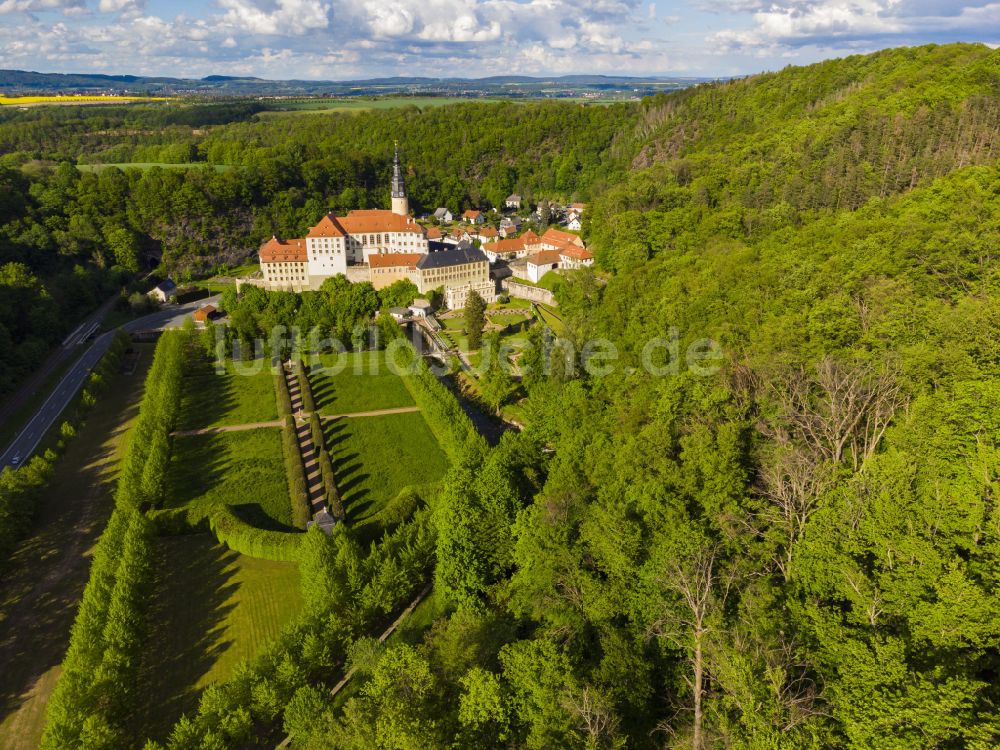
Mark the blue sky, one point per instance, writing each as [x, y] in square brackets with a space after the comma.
[343, 39]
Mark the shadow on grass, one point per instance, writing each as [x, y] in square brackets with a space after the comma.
[185, 638]
[208, 396]
[348, 469]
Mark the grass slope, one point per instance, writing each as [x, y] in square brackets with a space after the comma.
[363, 383]
[376, 457]
[42, 585]
[245, 396]
[243, 469]
[213, 608]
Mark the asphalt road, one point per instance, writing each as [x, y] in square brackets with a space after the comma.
[25, 444]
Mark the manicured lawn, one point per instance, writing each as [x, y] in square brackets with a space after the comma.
[243, 469]
[41, 584]
[356, 381]
[213, 608]
[376, 457]
[240, 396]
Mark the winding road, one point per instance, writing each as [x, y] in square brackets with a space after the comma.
[25, 444]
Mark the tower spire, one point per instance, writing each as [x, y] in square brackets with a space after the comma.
[400, 204]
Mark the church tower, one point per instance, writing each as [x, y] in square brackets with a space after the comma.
[400, 204]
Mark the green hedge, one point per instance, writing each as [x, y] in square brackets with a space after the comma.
[140, 483]
[94, 697]
[284, 399]
[330, 492]
[298, 486]
[305, 390]
[241, 537]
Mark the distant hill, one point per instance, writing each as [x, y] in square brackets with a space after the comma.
[29, 82]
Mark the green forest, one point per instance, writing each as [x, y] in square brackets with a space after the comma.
[796, 548]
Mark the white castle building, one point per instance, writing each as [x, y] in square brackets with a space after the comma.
[343, 244]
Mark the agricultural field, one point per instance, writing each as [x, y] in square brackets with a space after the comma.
[34, 101]
[45, 576]
[243, 395]
[376, 457]
[357, 381]
[243, 469]
[213, 608]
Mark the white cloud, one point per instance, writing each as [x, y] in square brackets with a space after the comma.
[34, 6]
[781, 25]
[287, 17]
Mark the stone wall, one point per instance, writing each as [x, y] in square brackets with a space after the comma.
[530, 293]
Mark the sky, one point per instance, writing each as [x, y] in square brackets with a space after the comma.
[350, 39]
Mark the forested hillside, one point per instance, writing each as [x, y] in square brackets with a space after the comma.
[790, 542]
[799, 550]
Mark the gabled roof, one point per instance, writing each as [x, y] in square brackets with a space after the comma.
[508, 246]
[377, 220]
[544, 257]
[166, 286]
[530, 238]
[555, 236]
[472, 214]
[441, 212]
[394, 260]
[459, 255]
[328, 226]
[281, 251]
[514, 197]
[488, 232]
[433, 233]
[574, 252]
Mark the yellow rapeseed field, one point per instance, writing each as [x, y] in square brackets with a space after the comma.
[24, 100]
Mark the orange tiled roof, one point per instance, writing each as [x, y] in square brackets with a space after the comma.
[433, 233]
[577, 253]
[377, 220]
[328, 226]
[488, 232]
[283, 251]
[394, 260]
[555, 236]
[543, 257]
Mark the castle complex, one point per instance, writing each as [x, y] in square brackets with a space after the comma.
[337, 243]
[378, 246]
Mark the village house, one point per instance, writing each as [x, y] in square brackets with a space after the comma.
[541, 263]
[163, 291]
[512, 249]
[472, 216]
[509, 226]
[557, 249]
[573, 221]
[443, 215]
[487, 234]
[513, 201]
